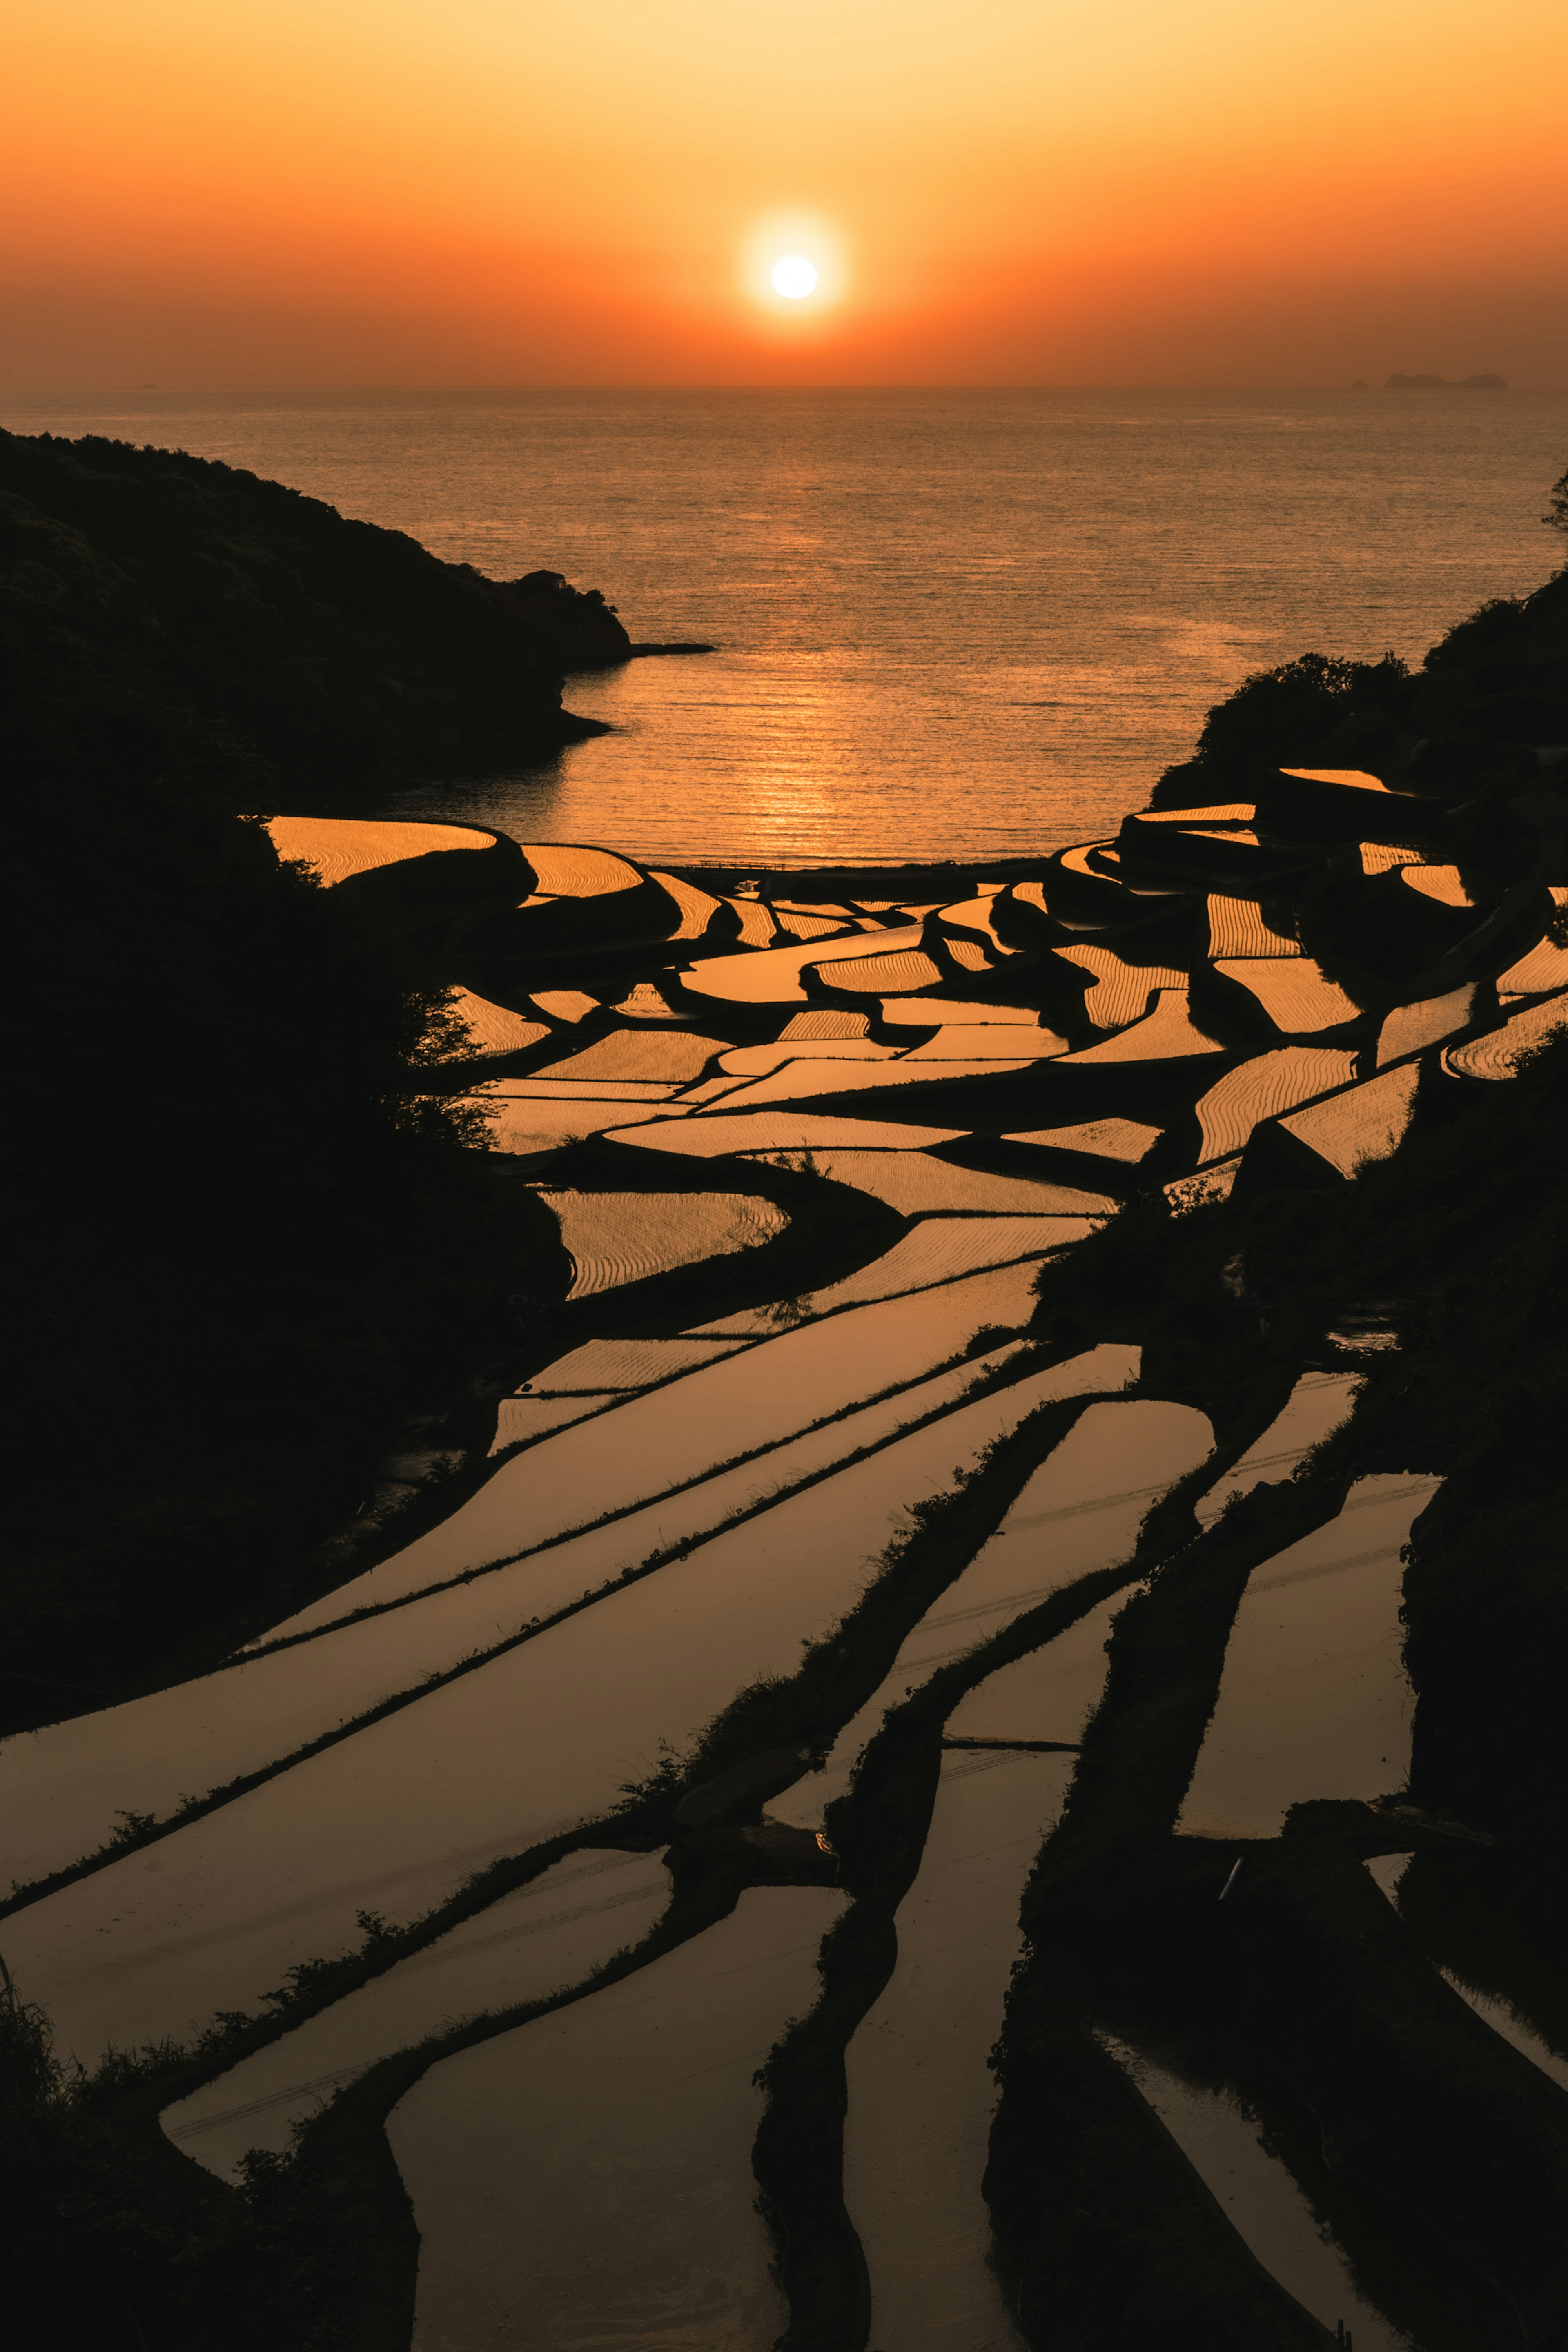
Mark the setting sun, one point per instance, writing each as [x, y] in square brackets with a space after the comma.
[794, 277]
[794, 265]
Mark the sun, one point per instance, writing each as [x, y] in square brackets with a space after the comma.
[794, 265]
[794, 277]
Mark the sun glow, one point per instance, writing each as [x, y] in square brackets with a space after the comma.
[794, 265]
[794, 277]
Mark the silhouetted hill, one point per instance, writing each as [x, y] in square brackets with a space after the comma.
[144, 593]
[1474, 717]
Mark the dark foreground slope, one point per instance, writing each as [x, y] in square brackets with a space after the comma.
[241, 1250]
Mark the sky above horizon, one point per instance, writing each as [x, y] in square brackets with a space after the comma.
[488, 192]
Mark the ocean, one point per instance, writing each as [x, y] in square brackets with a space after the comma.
[949, 623]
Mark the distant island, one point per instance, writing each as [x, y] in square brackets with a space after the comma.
[1445, 384]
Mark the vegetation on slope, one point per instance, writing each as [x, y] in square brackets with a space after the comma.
[244, 1249]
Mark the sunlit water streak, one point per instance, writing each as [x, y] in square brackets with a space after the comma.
[951, 622]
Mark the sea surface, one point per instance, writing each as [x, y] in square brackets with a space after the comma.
[965, 624]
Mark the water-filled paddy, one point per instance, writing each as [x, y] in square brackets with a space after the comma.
[1364, 1122]
[586, 2178]
[66, 1785]
[1293, 991]
[687, 1516]
[1079, 1510]
[615, 1237]
[915, 1184]
[1387, 1870]
[686, 1428]
[547, 1936]
[1314, 1701]
[1166, 1032]
[1264, 1087]
[1261, 2199]
[533, 1742]
[341, 847]
[920, 2095]
[1319, 1403]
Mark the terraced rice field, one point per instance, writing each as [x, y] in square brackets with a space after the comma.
[941, 1248]
[758, 1061]
[1384, 857]
[552, 1933]
[940, 1012]
[541, 1736]
[338, 846]
[1410, 1026]
[1366, 1122]
[1258, 2197]
[592, 2169]
[68, 1786]
[565, 1003]
[806, 1080]
[1237, 928]
[824, 1025]
[1107, 1139]
[1496, 1055]
[600, 1364]
[1539, 973]
[686, 1432]
[707, 1137]
[899, 968]
[1315, 1700]
[520, 1419]
[773, 976]
[867, 1504]
[615, 1237]
[921, 2097]
[698, 908]
[1443, 882]
[1500, 2016]
[797, 924]
[536, 1121]
[564, 870]
[994, 1041]
[1080, 1511]
[1120, 992]
[666, 1057]
[757, 927]
[494, 1029]
[1166, 1032]
[915, 1184]
[1263, 1089]
[1319, 1403]
[1294, 992]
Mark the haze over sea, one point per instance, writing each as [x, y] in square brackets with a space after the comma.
[950, 624]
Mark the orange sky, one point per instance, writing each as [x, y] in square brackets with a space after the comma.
[487, 192]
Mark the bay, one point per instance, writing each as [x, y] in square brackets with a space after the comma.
[969, 624]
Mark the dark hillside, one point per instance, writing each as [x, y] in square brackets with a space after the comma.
[143, 591]
[1484, 702]
[242, 1251]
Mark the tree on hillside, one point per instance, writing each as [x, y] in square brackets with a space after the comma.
[1556, 515]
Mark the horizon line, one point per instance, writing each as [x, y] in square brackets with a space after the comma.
[426, 391]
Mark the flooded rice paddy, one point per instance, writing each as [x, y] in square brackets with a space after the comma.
[1491, 2008]
[1315, 1695]
[1261, 2199]
[786, 1508]
[584, 2183]
[550, 1934]
[921, 2093]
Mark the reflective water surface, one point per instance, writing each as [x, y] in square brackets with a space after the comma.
[950, 622]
